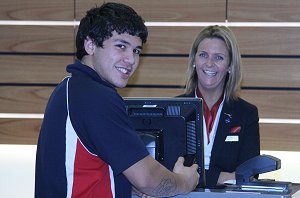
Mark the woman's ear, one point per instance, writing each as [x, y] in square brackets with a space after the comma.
[89, 46]
[229, 70]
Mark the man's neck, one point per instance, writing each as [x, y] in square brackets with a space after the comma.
[86, 61]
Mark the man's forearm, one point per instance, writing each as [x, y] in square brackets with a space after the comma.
[167, 187]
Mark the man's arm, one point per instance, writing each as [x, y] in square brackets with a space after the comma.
[150, 177]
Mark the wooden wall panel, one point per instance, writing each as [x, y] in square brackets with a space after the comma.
[33, 69]
[170, 40]
[55, 39]
[275, 104]
[280, 137]
[167, 10]
[19, 131]
[150, 92]
[268, 40]
[36, 10]
[24, 99]
[271, 72]
[263, 11]
[160, 71]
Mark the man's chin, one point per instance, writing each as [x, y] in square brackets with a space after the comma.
[121, 85]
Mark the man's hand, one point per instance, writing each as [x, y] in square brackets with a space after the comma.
[189, 174]
[151, 179]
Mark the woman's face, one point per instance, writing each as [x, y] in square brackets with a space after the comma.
[212, 64]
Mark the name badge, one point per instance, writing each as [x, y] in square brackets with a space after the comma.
[232, 138]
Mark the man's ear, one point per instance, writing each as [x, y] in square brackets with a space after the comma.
[89, 45]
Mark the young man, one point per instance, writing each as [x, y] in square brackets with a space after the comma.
[87, 146]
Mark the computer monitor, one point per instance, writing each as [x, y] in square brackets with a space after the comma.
[169, 127]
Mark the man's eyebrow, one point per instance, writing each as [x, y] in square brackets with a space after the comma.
[126, 42]
[122, 41]
[139, 47]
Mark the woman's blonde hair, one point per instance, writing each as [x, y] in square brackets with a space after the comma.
[234, 77]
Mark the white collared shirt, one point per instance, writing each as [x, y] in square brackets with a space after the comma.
[208, 146]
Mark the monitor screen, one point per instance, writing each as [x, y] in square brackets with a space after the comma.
[169, 127]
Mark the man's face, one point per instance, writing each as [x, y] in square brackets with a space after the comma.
[118, 59]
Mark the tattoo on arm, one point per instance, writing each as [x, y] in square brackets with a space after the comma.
[166, 187]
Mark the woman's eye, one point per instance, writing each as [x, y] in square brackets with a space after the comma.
[202, 55]
[219, 58]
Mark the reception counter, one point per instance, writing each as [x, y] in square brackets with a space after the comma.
[232, 193]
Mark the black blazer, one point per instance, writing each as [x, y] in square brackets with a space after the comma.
[226, 155]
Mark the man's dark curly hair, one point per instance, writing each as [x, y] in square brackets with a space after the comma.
[100, 22]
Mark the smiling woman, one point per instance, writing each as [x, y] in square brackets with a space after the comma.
[231, 128]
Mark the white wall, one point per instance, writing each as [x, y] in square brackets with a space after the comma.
[17, 164]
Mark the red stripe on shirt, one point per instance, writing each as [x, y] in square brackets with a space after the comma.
[91, 175]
